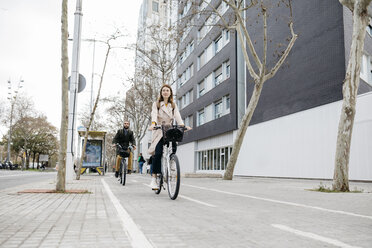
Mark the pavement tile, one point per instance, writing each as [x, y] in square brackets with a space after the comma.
[47, 219]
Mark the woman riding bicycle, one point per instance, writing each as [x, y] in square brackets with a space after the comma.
[164, 111]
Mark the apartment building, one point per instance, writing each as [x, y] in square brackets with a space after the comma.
[294, 128]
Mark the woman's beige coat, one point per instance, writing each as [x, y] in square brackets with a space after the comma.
[165, 115]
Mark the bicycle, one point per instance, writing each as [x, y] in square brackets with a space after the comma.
[170, 166]
[124, 153]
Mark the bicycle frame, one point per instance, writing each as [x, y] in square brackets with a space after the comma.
[170, 168]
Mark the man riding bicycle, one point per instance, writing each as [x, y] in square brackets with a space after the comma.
[124, 137]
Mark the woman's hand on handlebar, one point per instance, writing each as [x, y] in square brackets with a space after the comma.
[186, 128]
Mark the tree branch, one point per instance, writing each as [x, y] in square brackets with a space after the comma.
[284, 56]
[263, 68]
[249, 66]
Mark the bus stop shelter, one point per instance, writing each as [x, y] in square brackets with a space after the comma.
[95, 153]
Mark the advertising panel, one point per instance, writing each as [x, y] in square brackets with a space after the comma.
[93, 154]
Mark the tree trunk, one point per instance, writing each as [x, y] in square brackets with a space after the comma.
[61, 176]
[242, 130]
[33, 160]
[27, 160]
[350, 92]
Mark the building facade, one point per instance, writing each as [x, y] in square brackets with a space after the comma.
[294, 128]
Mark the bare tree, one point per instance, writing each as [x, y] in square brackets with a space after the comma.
[109, 47]
[134, 107]
[156, 59]
[258, 68]
[97, 124]
[34, 135]
[23, 107]
[138, 112]
[61, 176]
[359, 9]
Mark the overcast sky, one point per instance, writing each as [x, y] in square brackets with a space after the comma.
[30, 47]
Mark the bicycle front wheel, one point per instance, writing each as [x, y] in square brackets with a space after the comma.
[123, 172]
[173, 177]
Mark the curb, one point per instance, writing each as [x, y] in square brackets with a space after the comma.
[202, 175]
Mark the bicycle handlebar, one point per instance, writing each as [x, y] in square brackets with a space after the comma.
[129, 147]
[173, 126]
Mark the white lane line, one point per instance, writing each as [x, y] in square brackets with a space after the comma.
[18, 175]
[134, 180]
[190, 199]
[283, 202]
[135, 235]
[334, 242]
[197, 201]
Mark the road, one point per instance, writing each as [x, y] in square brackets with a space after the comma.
[9, 179]
[247, 212]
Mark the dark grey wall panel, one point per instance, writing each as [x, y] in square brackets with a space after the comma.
[315, 68]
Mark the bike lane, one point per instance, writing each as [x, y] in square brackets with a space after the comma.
[229, 215]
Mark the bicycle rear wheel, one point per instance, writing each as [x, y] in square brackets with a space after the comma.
[173, 177]
[123, 171]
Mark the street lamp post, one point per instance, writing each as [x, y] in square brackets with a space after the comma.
[12, 100]
[73, 91]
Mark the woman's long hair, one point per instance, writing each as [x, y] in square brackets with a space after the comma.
[170, 99]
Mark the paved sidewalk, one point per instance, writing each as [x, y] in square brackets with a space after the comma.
[209, 212]
[60, 220]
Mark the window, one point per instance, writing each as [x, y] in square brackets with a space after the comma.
[227, 69]
[226, 36]
[181, 58]
[218, 76]
[203, 5]
[186, 99]
[218, 44]
[214, 159]
[369, 29]
[209, 52]
[155, 6]
[227, 103]
[201, 60]
[201, 88]
[186, 75]
[201, 33]
[218, 109]
[201, 118]
[189, 48]
[185, 10]
[189, 121]
[366, 69]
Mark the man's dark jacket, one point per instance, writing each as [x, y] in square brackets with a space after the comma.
[123, 138]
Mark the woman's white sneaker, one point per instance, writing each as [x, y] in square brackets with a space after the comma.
[153, 184]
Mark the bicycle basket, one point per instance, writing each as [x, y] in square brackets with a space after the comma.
[173, 134]
[124, 153]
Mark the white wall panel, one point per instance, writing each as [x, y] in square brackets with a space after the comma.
[222, 140]
[186, 156]
[303, 144]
